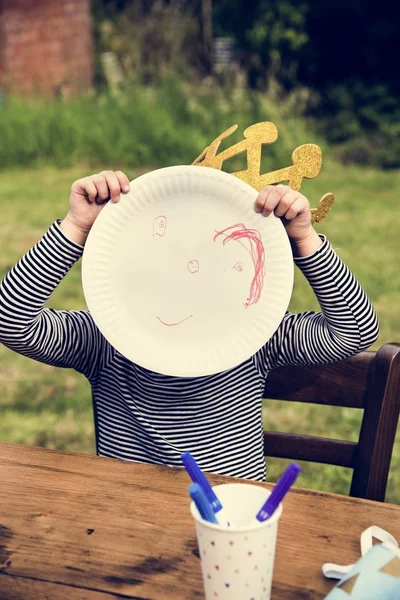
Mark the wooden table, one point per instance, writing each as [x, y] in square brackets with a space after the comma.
[87, 528]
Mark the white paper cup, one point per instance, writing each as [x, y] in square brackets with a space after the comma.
[237, 561]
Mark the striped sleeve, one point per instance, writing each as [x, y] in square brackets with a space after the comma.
[61, 338]
[347, 324]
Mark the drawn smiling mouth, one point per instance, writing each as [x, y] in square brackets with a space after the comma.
[174, 324]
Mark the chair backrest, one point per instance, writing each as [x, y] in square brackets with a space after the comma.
[369, 381]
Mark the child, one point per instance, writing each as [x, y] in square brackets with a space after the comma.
[145, 416]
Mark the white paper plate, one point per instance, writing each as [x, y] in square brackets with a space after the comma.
[169, 292]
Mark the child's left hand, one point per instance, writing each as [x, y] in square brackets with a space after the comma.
[292, 207]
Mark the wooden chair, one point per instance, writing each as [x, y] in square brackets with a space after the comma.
[369, 381]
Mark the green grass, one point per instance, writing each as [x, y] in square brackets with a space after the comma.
[51, 407]
[159, 126]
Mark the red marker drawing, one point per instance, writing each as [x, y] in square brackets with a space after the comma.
[174, 324]
[193, 266]
[238, 233]
[159, 226]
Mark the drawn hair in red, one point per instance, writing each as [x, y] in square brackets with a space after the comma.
[239, 233]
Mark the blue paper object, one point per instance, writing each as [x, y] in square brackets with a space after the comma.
[375, 576]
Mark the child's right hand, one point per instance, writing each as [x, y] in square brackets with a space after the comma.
[87, 199]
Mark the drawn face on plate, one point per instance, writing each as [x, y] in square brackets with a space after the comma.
[246, 257]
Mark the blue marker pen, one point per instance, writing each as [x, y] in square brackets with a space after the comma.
[198, 476]
[279, 492]
[202, 504]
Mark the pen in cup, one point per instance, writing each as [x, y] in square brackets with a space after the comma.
[198, 476]
[278, 493]
[202, 504]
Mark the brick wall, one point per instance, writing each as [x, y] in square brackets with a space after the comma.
[45, 46]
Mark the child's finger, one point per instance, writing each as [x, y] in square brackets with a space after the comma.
[89, 189]
[267, 200]
[298, 206]
[286, 202]
[103, 193]
[114, 188]
[86, 188]
[262, 198]
[123, 181]
[278, 196]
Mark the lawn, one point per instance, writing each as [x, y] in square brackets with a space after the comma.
[41, 405]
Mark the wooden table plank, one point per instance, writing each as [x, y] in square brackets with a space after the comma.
[103, 528]
[18, 588]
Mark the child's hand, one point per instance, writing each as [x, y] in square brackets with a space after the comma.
[294, 210]
[87, 199]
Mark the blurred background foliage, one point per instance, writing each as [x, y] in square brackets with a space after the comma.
[202, 65]
[341, 56]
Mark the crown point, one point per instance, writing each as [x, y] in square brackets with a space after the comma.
[324, 206]
[308, 158]
[264, 133]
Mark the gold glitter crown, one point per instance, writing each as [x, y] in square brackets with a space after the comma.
[307, 161]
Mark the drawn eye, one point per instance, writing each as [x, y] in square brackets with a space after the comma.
[193, 266]
[159, 226]
[238, 267]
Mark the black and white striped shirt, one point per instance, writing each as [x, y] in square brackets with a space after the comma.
[146, 416]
